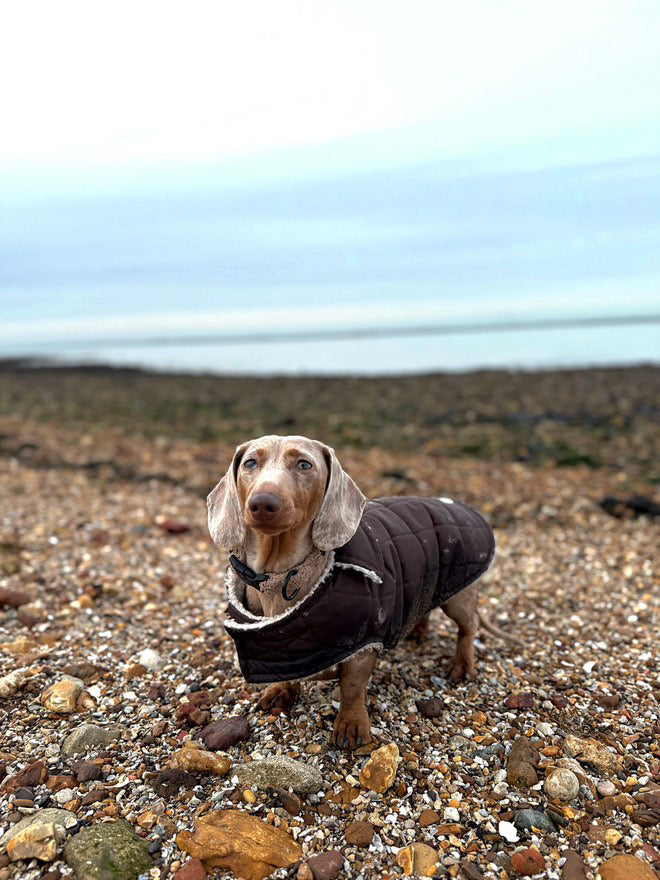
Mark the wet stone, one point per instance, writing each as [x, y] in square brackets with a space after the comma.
[359, 833]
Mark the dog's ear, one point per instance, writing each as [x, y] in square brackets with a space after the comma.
[341, 509]
[225, 515]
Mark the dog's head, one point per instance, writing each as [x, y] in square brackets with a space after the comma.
[282, 484]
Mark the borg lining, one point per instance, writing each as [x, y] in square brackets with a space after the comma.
[408, 555]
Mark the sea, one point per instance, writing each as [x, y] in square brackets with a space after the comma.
[435, 267]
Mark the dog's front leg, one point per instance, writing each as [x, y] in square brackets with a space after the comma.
[352, 727]
[281, 695]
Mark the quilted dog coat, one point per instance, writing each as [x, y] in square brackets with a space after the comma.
[408, 555]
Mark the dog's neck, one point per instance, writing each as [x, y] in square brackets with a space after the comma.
[285, 570]
[276, 553]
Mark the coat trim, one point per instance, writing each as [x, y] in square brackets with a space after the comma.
[237, 597]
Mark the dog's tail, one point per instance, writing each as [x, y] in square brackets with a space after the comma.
[493, 630]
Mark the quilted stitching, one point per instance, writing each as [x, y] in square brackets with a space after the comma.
[424, 550]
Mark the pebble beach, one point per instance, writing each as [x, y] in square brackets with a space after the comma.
[130, 745]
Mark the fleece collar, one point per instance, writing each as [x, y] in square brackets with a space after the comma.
[279, 581]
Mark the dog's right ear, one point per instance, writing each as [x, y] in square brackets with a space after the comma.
[225, 515]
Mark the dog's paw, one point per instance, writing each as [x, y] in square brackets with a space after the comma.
[351, 730]
[281, 695]
[460, 670]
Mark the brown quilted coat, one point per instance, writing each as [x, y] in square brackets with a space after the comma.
[409, 555]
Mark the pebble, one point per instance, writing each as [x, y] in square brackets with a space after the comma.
[237, 840]
[380, 770]
[451, 814]
[200, 761]
[88, 736]
[107, 851]
[37, 841]
[289, 801]
[280, 772]
[327, 865]
[50, 816]
[62, 696]
[528, 819]
[573, 867]
[626, 867]
[418, 858]
[359, 833]
[508, 831]
[521, 764]
[432, 708]
[192, 870]
[150, 659]
[428, 817]
[12, 682]
[221, 735]
[605, 788]
[63, 796]
[562, 785]
[590, 751]
[528, 862]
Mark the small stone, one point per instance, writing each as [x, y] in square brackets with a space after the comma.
[359, 833]
[33, 774]
[471, 871]
[225, 733]
[626, 867]
[150, 659]
[418, 858]
[591, 752]
[87, 771]
[13, 598]
[304, 872]
[605, 788]
[37, 841]
[106, 851]
[11, 682]
[529, 819]
[289, 801]
[528, 862]
[562, 785]
[327, 865]
[234, 839]
[51, 816]
[521, 764]
[86, 736]
[135, 670]
[432, 708]
[545, 729]
[451, 814]
[62, 696]
[519, 701]
[428, 817]
[200, 761]
[380, 770]
[573, 867]
[280, 772]
[507, 831]
[63, 796]
[192, 870]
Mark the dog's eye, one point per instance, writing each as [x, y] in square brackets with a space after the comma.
[250, 464]
[304, 465]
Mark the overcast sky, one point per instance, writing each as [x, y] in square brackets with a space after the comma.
[147, 84]
[163, 164]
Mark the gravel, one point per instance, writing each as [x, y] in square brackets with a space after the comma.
[134, 611]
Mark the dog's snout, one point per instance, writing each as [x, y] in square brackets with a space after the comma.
[264, 505]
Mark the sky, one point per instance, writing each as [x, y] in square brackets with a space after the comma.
[169, 168]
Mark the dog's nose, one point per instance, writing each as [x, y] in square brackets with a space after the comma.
[264, 505]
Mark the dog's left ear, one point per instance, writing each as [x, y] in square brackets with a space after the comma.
[341, 509]
[225, 515]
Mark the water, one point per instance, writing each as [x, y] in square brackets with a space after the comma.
[97, 276]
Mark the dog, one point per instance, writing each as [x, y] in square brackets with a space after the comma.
[320, 580]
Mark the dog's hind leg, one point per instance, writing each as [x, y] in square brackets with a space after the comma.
[462, 609]
[281, 695]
